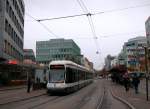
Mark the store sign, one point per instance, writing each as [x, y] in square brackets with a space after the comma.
[13, 62]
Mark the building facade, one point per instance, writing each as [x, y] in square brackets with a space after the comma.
[108, 61]
[57, 49]
[122, 60]
[147, 27]
[85, 62]
[11, 29]
[135, 54]
[29, 55]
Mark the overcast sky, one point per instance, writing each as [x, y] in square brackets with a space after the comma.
[112, 28]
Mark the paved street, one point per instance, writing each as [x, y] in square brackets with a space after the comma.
[7, 96]
[90, 97]
[137, 100]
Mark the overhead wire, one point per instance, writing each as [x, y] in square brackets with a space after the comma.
[85, 10]
[96, 13]
[82, 5]
[45, 27]
[121, 9]
[71, 16]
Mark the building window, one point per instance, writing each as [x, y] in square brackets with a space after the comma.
[7, 6]
[5, 44]
[6, 25]
[14, 19]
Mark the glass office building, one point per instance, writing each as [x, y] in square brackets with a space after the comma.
[57, 49]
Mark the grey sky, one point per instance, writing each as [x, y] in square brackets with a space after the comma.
[112, 29]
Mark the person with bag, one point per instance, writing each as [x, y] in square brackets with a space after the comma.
[136, 82]
[126, 81]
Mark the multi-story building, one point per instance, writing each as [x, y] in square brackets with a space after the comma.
[29, 55]
[85, 62]
[108, 60]
[57, 49]
[114, 62]
[122, 57]
[135, 53]
[11, 29]
[147, 26]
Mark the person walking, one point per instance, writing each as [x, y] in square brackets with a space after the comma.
[126, 81]
[29, 85]
[136, 82]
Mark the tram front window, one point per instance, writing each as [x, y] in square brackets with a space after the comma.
[57, 76]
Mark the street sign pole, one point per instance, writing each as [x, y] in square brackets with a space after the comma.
[146, 69]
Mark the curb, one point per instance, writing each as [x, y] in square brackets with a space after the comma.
[5, 89]
[122, 100]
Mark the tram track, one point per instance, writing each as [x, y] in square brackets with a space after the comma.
[26, 101]
[85, 98]
[23, 99]
[43, 103]
[53, 101]
[101, 99]
[94, 96]
[32, 103]
[105, 101]
[79, 105]
[34, 99]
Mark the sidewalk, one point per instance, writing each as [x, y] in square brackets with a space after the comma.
[18, 95]
[142, 86]
[137, 100]
[3, 88]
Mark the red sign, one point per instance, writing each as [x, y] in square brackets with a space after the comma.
[12, 62]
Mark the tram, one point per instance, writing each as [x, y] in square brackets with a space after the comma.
[67, 76]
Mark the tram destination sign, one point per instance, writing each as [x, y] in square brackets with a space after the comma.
[57, 67]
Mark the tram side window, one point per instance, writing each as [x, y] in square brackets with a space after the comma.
[79, 74]
[76, 75]
[82, 75]
[88, 75]
[69, 73]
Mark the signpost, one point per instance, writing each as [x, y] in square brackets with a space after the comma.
[146, 68]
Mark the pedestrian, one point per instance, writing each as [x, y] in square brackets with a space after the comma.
[136, 82]
[29, 84]
[126, 81]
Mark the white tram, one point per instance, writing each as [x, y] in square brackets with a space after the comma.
[66, 76]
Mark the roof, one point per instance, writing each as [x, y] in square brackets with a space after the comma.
[67, 62]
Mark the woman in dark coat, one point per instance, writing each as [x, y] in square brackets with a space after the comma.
[29, 83]
[135, 82]
[126, 81]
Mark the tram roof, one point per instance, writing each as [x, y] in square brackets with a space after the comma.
[67, 62]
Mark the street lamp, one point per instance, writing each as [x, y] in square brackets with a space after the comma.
[146, 69]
